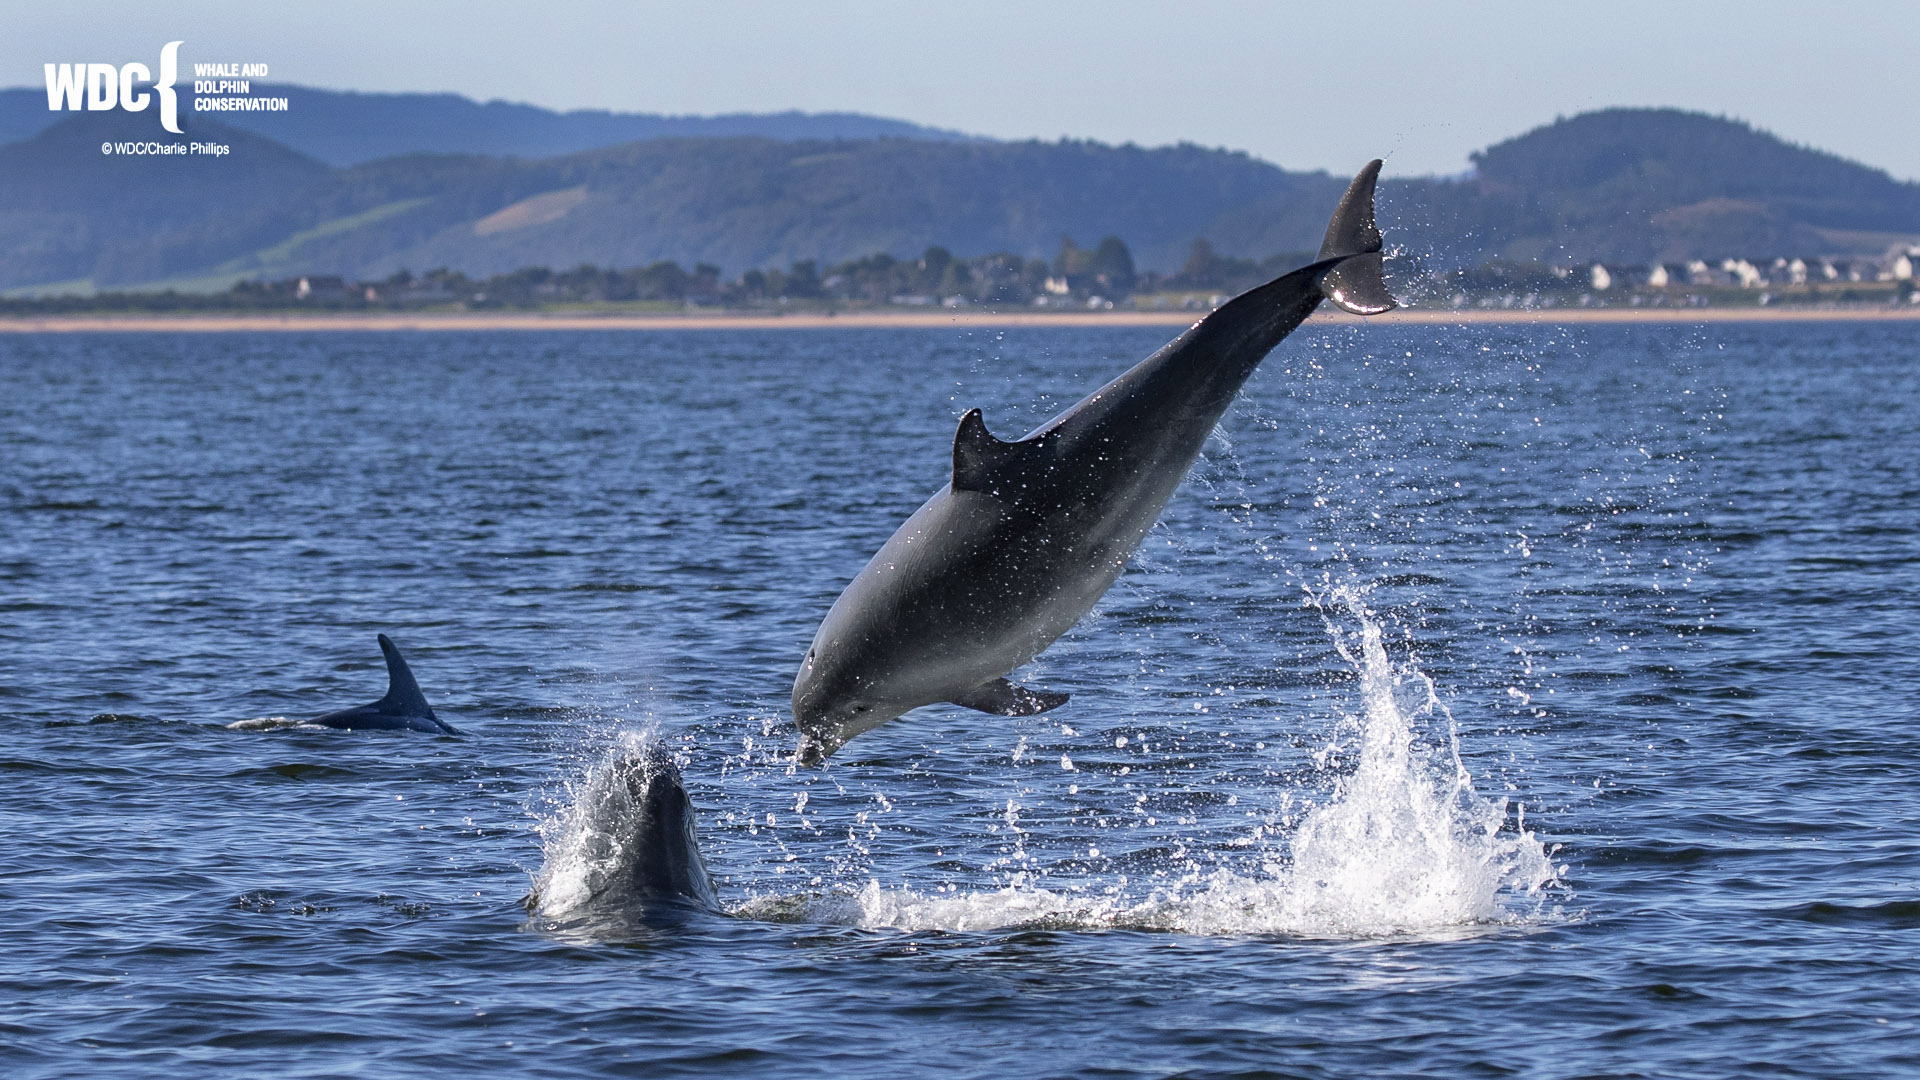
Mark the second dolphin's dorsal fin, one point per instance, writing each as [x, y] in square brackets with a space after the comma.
[1352, 230]
[977, 455]
[403, 694]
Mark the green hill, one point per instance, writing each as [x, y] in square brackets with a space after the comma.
[1630, 185]
[740, 203]
[736, 203]
[1619, 185]
[72, 212]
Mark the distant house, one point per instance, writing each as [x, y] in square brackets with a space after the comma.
[1745, 273]
[1600, 278]
[1658, 277]
[321, 288]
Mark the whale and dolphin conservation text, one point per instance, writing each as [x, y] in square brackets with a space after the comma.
[1029, 534]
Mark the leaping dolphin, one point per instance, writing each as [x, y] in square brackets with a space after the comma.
[404, 708]
[1028, 535]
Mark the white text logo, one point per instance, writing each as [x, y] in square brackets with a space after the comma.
[103, 87]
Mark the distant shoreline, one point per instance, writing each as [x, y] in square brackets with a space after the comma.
[900, 320]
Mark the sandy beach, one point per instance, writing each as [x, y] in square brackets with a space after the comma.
[901, 320]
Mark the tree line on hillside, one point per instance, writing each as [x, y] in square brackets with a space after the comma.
[1076, 277]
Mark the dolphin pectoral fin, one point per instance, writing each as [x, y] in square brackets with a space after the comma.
[1003, 698]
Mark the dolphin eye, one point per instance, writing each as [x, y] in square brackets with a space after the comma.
[862, 708]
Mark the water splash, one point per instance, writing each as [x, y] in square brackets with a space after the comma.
[876, 907]
[586, 836]
[1402, 846]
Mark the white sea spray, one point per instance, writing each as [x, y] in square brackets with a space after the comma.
[1403, 845]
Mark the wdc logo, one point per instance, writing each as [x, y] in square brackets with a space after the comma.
[105, 87]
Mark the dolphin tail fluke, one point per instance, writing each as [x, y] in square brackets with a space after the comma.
[1352, 230]
[1356, 284]
[403, 694]
[1358, 287]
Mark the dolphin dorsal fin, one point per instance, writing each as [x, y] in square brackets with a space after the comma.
[977, 455]
[403, 694]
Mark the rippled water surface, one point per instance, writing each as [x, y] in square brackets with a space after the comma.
[1491, 701]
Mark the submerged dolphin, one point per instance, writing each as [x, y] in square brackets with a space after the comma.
[404, 707]
[638, 823]
[1028, 535]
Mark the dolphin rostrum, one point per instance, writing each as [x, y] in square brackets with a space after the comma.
[1028, 535]
[404, 708]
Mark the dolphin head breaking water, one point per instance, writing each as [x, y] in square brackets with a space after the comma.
[839, 693]
[826, 707]
[663, 848]
[866, 666]
[628, 845]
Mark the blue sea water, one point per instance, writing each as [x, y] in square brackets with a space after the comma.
[1492, 701]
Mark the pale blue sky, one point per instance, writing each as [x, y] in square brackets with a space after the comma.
[1320, 85]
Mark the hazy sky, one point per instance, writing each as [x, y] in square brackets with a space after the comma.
[1319, 85]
